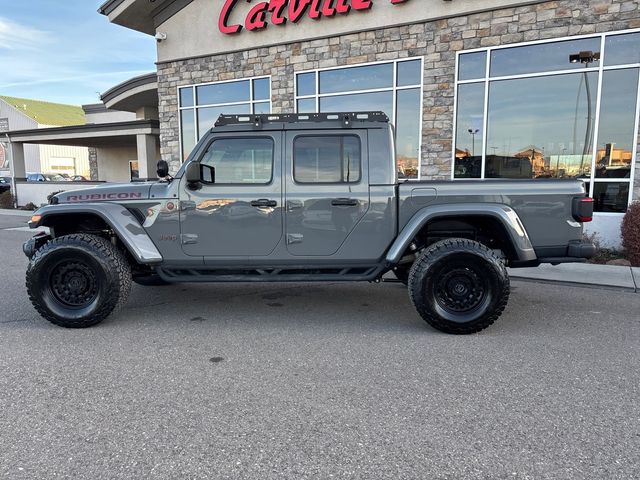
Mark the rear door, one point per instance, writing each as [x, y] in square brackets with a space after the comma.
[326, 189]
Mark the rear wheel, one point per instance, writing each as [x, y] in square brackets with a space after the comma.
[78, 280]
[459, 286]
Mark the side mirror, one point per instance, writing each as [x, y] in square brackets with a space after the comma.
[162, 169]
[193, 176]
[198, 173]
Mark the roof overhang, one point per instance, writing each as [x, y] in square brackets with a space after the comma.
[141, 15]
[133, 94]
[91, 135]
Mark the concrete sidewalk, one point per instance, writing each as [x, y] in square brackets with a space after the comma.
[582, 274]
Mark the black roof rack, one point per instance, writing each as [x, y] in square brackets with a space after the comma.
[346, 118]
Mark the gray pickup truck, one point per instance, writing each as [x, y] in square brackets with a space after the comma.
[294, 198]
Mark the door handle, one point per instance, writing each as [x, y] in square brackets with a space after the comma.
[263, 202]
[344, 202]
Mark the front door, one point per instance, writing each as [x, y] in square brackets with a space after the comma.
[326, 188]
[240, 214]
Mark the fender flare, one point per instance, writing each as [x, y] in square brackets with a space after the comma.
[121, 220]
[507, 217]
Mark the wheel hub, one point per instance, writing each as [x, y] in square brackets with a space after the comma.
[459, 290]
[74, 283]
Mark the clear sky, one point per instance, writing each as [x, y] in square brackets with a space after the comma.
[65, 51]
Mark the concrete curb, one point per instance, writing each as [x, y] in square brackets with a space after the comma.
[582, 275]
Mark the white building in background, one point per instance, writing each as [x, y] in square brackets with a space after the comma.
[18, 114]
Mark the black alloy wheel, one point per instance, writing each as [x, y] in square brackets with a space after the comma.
[78, 280]
[459, 286]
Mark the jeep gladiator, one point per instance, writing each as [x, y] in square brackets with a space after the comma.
[294, 198]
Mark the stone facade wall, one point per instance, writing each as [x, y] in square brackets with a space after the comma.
[437, 42]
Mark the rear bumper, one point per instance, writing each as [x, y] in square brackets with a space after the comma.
[577, 251]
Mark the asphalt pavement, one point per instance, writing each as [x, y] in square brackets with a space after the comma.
[318, 381]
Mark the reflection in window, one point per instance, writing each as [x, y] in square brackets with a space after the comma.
[356, 78]
[611, 196]
[188, 130]
[472, 66]
[407, 138]
[359, 102]
[372, 88]
[542, 122]
[469, 133]
[622, 49]
[241, 160]
[409, 73]
[544, 57]
[541, 127]
[201, 105]
[617, 136]
[326, 159]
[229, 92]
[207, 116]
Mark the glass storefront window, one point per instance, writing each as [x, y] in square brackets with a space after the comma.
[543, 57]
[558, 114]
[188, 132]
[186, 97]
[622, 49]
[541, 127]
[393, 87]
[201, 105]
[358, 102]
[356, 78]
[230, 92]
[409, 73]
[617, 136]
[472, 66]
[611, 196]
[306, 84]
[470, 120]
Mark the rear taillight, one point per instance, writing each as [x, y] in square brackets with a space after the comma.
[583, 209]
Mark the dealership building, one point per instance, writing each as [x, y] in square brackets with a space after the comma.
[476, 88]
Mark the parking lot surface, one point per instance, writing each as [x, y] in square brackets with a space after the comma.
[317, 381]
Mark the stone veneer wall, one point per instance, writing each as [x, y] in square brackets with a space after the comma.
[436, 41]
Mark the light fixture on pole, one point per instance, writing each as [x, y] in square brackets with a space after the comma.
[473, 132]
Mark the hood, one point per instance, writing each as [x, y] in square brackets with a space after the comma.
[109, 192]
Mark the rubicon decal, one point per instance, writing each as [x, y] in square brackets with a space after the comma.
[279, 12]
[103, 196]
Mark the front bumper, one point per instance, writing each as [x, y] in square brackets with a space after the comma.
[31, 246]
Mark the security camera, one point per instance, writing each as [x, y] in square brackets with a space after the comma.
[161, 36]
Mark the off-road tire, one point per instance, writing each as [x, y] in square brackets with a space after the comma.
[459, 286]
[78, 280]
[153, 280]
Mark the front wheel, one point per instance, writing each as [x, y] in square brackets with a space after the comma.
[459, 286]
[76, 281]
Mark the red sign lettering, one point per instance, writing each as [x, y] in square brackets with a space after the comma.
[278, 12]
